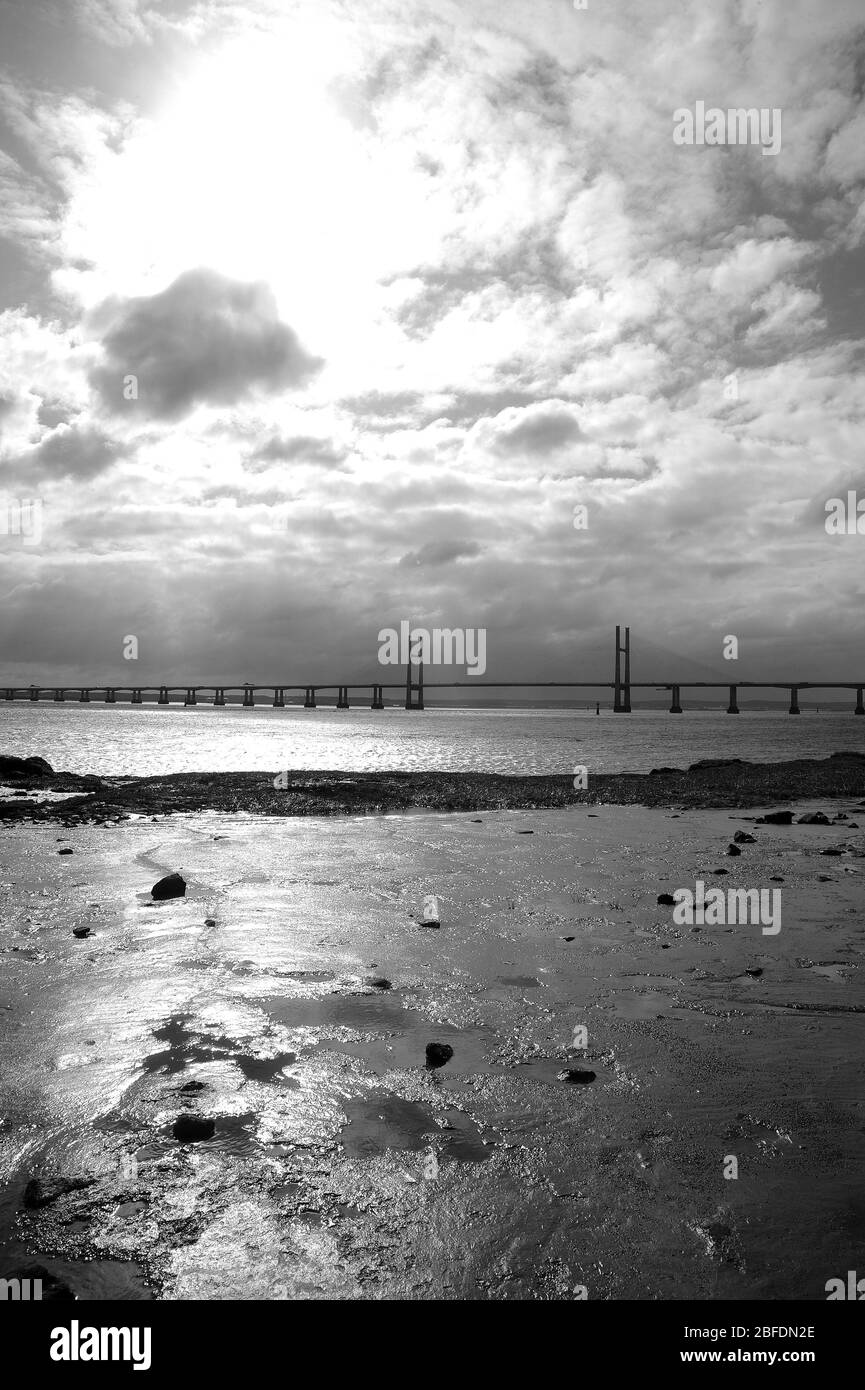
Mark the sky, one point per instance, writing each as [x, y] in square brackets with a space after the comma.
[316, 317]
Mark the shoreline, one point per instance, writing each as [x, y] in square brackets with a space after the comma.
[709, 783]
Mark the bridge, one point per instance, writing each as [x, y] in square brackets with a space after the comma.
[277, 692]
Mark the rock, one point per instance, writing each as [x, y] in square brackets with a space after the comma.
[569, 938]
[776, 818]
[720, 871]
[41, 1192]
[65, 851]
[666, 900]
[377, 982]
[663, 771]
[24, 767]
[824, 878]
[742, 837]
[189, 1129]
[718, 762]
[172, 886]
[192, 1086]
[437, 1054]
[756, 972]
[525, 832]
[733, 850]
[813, 818]
[776, 878]
[210, 921]
[832, 850]
[81, 932]
[576, 1076]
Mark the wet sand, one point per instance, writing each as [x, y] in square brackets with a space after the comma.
[340, 1166]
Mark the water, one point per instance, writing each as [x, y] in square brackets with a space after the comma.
[125, 740]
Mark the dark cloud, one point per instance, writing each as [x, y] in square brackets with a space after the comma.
[441, 553]
[72, 451]
[302, 448]
[535, 431]
[204, 339]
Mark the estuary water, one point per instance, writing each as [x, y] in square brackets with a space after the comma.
[139, 741]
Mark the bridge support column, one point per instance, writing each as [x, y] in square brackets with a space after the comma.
[732, 708]
[163, 695]
[676, 706]
[84, 697]
[248, 697]
[219, 696]
[136, 697]
[278, 697]
[35, 693]
[59, 695]
[342, 698]
[794, 700]
[309, 698]
[10, 694]
[377, 698]
[860, 708]
[110, 696]
[191, 696]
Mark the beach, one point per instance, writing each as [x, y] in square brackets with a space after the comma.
[284, 1005]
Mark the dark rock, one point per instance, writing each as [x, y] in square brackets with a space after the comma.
[41, 1192]
[742, 837]
[210, 921]
[832, 850]
[720, 871]
[525, 832]
[81, 932]
[172, 886]
[756, 972]
[192, 1086]
[569, 938]
[733, 850]
[718, 762]
[841, 815]
[189, 1129]
[776, 818]
[776, 878]
[824, 878]
[663, 771]
[24, 767]
[813, 818]
[437, 1054]
[666, 900]
[664, 946]
[576, 1076]
[65, 851]
[377, 982]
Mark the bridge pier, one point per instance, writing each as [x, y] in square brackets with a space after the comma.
[35, 693]
[163, 695]
[10, 694]
[110, 696]
[59, 695]
[676, 706]
[84, 697]
[860, 708]
[248, 697]
[278, 697]
[342, 698]
[191, 696]
[732, 708]
[794, 700]
[219, 695]
[136, 697]
[377, 698]
[309, 698]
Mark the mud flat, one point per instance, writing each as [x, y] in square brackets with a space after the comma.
[284, 1007]
[31, 793]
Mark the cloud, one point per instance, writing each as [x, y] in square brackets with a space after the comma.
[205, 340]
[440, 553]
[302, 448]
[75, 451]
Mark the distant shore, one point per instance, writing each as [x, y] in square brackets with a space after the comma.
[709, 783]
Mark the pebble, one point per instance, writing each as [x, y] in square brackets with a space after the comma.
[437, 1054]
[172, 886]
